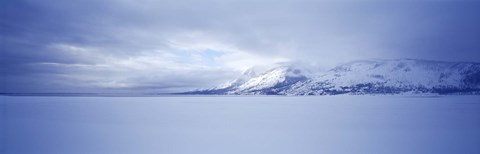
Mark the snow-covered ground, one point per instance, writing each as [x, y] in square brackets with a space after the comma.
[241, 125]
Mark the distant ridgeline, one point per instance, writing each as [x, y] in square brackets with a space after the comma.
[359, 77]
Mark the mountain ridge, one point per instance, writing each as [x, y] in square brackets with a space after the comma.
[376, 76]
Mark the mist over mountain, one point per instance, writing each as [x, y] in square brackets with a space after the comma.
[398, 76]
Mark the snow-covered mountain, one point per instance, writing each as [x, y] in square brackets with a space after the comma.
[271, 82]
[359, 77]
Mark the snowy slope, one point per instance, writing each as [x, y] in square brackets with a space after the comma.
[393, 76]
[362, 77]
[272, 81]
[246, 75]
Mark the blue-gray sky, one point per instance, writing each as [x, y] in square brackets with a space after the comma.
[177, 45]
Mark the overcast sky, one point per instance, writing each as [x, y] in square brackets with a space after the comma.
[177, 45]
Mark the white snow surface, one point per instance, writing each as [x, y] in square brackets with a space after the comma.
[339, 124]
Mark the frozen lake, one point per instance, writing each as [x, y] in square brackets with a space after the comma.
[241, 125]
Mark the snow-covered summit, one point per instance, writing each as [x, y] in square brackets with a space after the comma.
[271, 81]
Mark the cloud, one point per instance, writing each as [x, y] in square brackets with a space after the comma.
[177, 45]
[158, 70]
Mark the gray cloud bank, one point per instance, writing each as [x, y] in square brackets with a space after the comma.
[168, 46]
